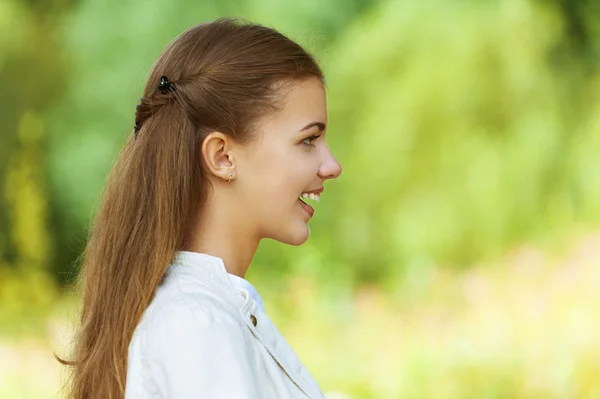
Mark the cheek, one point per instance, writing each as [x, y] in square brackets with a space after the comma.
[269, 176]
[280, 175]
[293, 172]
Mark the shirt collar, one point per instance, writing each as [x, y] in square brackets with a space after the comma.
[238, 282]
[209, 265]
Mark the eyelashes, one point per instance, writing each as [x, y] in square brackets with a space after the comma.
[310, 139]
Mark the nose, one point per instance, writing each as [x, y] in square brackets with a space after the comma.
[330, 168]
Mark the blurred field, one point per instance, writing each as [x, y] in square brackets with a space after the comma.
[524, 327]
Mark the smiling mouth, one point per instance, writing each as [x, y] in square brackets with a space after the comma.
[307, 208]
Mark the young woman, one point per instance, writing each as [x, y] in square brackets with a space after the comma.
[229, 142]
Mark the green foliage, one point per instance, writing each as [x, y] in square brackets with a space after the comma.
[26, 298]
[463, 127]
[459, 135]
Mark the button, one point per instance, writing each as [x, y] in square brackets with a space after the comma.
[275, 342]
[253, 319]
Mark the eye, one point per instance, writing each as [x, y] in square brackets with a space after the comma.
[309, 140]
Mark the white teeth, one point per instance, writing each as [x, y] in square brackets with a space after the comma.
[314, 197]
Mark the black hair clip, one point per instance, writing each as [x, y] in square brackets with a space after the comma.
[165, 86]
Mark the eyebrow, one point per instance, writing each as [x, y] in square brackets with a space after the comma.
[320, 125]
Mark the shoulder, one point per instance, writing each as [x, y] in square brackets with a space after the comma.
[186, 346]
[183, 298]
[178, 314]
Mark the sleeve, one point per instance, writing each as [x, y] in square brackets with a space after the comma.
[200, 353]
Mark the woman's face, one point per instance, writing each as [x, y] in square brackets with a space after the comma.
[289, 157]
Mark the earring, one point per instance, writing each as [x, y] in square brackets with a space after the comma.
[230, 176]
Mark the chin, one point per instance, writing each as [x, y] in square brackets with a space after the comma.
[296, 235]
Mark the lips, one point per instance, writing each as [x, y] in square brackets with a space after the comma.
[307, 208]
[316, 191]
[314, 195]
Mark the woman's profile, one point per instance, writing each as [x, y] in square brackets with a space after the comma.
[228, 144]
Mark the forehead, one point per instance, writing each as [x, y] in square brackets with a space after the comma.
[302, 103]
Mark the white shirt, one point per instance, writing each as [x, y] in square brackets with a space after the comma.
[242, 284]
[206, 335]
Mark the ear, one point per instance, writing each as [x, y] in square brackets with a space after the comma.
[219, 155]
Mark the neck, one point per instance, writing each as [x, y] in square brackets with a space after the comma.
[218, 232]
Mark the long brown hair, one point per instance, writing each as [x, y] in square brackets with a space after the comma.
[225, 74]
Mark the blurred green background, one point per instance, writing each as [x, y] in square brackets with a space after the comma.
[456, 256]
